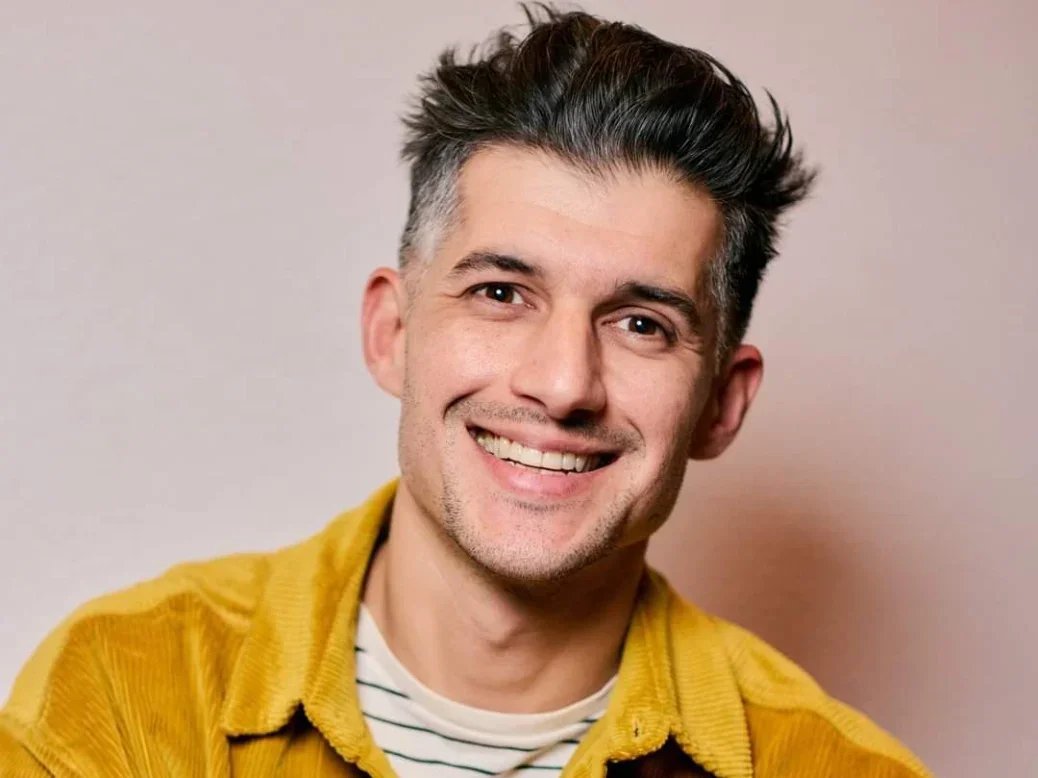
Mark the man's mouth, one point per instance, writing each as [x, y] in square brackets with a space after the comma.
[561, 462]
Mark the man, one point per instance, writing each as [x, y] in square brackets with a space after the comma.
[591, 213]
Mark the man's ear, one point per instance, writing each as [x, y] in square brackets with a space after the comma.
[731, 395]
[382, 328]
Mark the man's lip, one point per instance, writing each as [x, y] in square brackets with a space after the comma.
[545, 441]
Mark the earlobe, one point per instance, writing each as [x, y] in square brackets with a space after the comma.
[733, 394]
[382, 329]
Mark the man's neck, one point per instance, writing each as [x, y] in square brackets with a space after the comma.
[482, 643]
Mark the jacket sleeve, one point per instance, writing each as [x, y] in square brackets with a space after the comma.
[62, 720]
[16, 761]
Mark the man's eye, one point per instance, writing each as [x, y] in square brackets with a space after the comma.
[506, 294]
[641, 325]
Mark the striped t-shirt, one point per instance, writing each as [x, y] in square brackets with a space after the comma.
[426, 735]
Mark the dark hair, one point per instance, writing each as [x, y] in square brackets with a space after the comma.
[600, 95]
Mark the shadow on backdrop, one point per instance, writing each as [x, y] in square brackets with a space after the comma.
[773, 559]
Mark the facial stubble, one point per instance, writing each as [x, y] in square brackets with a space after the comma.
[517, 558]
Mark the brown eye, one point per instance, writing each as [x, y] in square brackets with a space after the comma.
[641, 325]
[505, 294]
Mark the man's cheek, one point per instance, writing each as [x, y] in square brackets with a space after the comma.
[445, 352]
[482, 353]
[669, 427]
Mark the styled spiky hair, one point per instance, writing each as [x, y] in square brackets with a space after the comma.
[601, 95]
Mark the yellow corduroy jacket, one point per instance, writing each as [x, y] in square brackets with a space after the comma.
[244, 667]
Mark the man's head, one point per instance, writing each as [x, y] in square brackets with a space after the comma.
[592, 209]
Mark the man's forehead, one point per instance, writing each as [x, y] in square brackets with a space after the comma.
[617, 223]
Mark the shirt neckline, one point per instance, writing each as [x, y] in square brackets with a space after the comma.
[478, 722]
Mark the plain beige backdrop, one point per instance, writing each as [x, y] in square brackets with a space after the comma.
[192, 193]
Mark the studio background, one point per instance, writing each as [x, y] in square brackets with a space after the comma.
[192, 194]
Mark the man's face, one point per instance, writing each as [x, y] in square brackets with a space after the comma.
[556, 361]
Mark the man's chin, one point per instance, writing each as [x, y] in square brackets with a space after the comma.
[529, 545]
[525, 567]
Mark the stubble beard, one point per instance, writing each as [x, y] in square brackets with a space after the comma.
[518, 560]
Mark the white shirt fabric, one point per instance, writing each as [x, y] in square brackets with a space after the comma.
[426, 735]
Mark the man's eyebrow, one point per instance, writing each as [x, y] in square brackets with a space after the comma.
[491, 260]
[684, 304]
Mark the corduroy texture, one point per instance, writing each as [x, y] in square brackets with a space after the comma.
[244, 667]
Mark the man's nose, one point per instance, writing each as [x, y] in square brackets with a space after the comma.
[561, 367]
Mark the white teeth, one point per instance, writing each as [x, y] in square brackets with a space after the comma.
[552, 460]
[531, 457]
[503, 448]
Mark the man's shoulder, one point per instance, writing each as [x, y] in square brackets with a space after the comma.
[191, 616]
[122, 662]
[160, 657]
[794, 726]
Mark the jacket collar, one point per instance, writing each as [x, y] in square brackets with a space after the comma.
[299, 651]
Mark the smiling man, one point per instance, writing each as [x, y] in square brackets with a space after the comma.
[592, 211]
